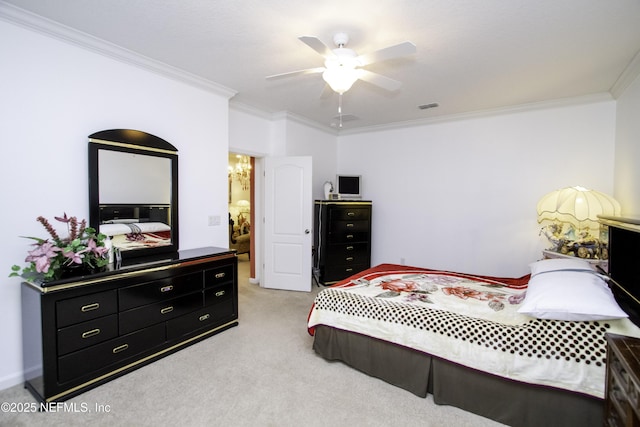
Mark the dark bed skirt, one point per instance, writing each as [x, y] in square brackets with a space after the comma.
[508, 402]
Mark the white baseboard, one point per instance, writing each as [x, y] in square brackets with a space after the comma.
[11, 380]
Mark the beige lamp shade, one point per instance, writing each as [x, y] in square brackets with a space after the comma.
[577, 206]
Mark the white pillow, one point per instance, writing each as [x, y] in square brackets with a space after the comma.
[151, 227]
[570, 295]
[556, 264]
[114, 229]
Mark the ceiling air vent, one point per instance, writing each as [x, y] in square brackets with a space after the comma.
[339, 120]
[427, 106]
[347, 118]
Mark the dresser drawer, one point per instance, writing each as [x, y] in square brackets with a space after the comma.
[348, 236]
[117, 212]
[334, 273]
[346, 249]
[209, 317]
[87, 307]
[348, 213]
[159, 290]
[218, 275]
[218, 293]
[101, 356]
[338, 227]
[358, 253]
[88, 333]
[141, 317]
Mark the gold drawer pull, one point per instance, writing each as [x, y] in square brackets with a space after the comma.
[349, 236]
[90, 307]
[348, 270]
[349, 248]
[91, 333]
[118, 349]
[350, 224]
[220, 293]
[166, 310]
[167, 288]
[220, 275]
[349, 258]
[351, 214]
[204, 317]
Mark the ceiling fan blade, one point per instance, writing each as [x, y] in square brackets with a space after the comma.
[317, 45]
[402, 49]
[379, 80]
[297, 73]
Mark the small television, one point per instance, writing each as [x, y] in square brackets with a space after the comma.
[348, 186]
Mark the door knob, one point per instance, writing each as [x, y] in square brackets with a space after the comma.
[307, 231]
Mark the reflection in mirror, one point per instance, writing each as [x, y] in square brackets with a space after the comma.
[129, 185]
[133, 191]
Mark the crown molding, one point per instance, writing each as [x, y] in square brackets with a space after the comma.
[250, 109]
[307, 122]
[630, 73]
[556, 103]
[280, 115]
[64, 33]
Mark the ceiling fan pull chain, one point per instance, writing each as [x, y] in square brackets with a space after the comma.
[340, 110]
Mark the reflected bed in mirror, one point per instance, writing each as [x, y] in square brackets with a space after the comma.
[136, 226]
[133, 191]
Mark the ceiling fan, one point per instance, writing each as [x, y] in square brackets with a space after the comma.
[342, 65]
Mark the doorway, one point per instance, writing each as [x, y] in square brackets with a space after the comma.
[241, 175]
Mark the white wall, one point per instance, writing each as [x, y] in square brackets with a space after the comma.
[627, 156]
[302, 140]
[250, 131]
[461, 195]
[54, 95]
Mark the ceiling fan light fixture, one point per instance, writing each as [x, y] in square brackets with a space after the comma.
[340, 78]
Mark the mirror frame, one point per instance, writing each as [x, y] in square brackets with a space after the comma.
[136, 142]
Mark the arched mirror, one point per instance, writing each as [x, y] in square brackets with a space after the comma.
[133, 191]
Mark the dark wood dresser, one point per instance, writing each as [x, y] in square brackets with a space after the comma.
[622, 396]
[342, 239]
[79, 333]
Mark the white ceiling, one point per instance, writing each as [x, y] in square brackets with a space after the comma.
[471, 55]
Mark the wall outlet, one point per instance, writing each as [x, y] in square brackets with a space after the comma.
[214, 220]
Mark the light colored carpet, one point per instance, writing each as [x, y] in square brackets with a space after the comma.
[260, 373]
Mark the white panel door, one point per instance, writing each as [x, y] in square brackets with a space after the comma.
[288, 221]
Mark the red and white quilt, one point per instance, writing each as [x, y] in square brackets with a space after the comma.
[472, 321]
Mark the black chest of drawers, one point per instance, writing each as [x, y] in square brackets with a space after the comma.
[342, 239]
[80, 333]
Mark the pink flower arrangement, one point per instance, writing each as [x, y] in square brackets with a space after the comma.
[51, 256]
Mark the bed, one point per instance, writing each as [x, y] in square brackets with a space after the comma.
[136, 226]
[474, 342]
